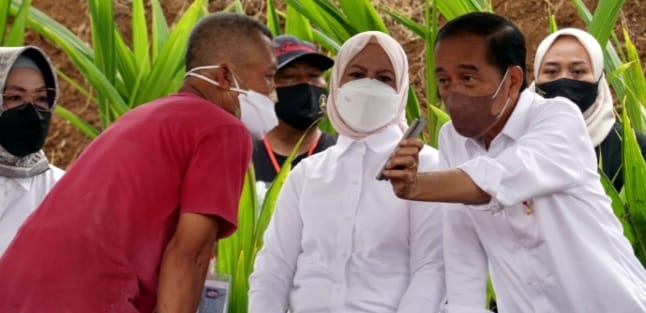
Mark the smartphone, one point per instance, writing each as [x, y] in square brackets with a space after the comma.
[413, 131]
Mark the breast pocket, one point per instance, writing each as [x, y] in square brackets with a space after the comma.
[523, 223]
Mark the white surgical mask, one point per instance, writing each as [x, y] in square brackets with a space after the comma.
[367, 104]
[256, 110]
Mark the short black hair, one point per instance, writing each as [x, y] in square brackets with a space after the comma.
[222, 36]
[505, 42]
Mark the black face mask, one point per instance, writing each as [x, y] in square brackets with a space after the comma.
[23, 129]
[298, 105]
[581, 93]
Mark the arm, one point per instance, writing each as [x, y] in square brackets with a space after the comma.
[426, 291]
[450, 185]
[184, 263]
[209, 196]
[552, 155]
[275, 265]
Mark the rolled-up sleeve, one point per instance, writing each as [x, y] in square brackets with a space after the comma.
[546, 159]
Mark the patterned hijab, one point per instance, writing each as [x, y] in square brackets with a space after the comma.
[348, 51]
[35, 163]
[599, 117]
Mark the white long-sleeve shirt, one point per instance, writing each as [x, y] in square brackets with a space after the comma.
[549, 236]
[341, 241]
[19, 197]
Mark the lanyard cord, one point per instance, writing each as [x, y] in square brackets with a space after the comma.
[272, 156]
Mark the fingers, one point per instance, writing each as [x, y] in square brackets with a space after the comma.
[405, 155]
[402, 181]
[401, 168]
[402, 162]
[414, 143]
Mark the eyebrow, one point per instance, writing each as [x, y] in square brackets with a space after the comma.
[18, 88]
[359, 66]
[381, 71]
[469, 67]
[554, 63]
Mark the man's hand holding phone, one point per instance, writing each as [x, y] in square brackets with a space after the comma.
[401, 167]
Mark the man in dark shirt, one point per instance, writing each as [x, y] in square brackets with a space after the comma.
[300, 86]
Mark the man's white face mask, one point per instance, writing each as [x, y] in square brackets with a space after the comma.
[256, 110]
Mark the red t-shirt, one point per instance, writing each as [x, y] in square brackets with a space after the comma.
[95, 244]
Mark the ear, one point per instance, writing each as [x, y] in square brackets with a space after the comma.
[516, 77]
[223, 76]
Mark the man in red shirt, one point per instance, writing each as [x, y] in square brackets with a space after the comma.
[132, 225]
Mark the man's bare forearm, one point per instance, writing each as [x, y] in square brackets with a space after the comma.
[185, 262]
[451, 185]
[181, 281]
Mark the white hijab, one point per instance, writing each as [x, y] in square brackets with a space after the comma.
[347, 52]
[599, 117]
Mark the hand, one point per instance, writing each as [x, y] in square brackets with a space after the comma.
[401, 168]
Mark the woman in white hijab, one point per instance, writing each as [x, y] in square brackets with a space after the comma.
[340, 240]
[569, 63]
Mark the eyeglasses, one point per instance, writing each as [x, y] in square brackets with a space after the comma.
[42, 99]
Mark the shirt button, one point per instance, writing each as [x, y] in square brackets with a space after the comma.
[355, 182]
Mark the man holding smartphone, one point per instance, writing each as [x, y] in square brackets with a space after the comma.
[519, 185]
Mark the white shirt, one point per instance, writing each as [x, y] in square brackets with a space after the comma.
[341, 241]
[562, 251]
[19, 197]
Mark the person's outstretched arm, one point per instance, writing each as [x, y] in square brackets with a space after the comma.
[450, 185]
[185, 262]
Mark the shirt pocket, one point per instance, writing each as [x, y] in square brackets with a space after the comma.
[523, 223]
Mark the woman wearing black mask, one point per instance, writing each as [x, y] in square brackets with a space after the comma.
[29, 90]
[569, 63]
[299, 86]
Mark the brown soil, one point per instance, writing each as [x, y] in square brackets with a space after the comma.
[65, 142]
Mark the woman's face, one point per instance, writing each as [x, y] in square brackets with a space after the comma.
[371, 62]
[566, 58]
[25, 85]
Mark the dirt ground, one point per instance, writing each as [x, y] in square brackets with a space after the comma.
[65, 142]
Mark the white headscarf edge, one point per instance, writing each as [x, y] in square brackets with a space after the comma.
[599, 117]
[346, 53]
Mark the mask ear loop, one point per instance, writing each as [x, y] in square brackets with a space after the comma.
[500, 84]
[496, 94]
[237, 87]
[197, 75]
[503, 109]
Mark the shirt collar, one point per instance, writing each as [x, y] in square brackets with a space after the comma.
[517, 123]
[380, 142]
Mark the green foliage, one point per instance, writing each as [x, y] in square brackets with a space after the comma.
[635, 194]
[236, 254]
[627, 79]
[122, 76]
[16, 34]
